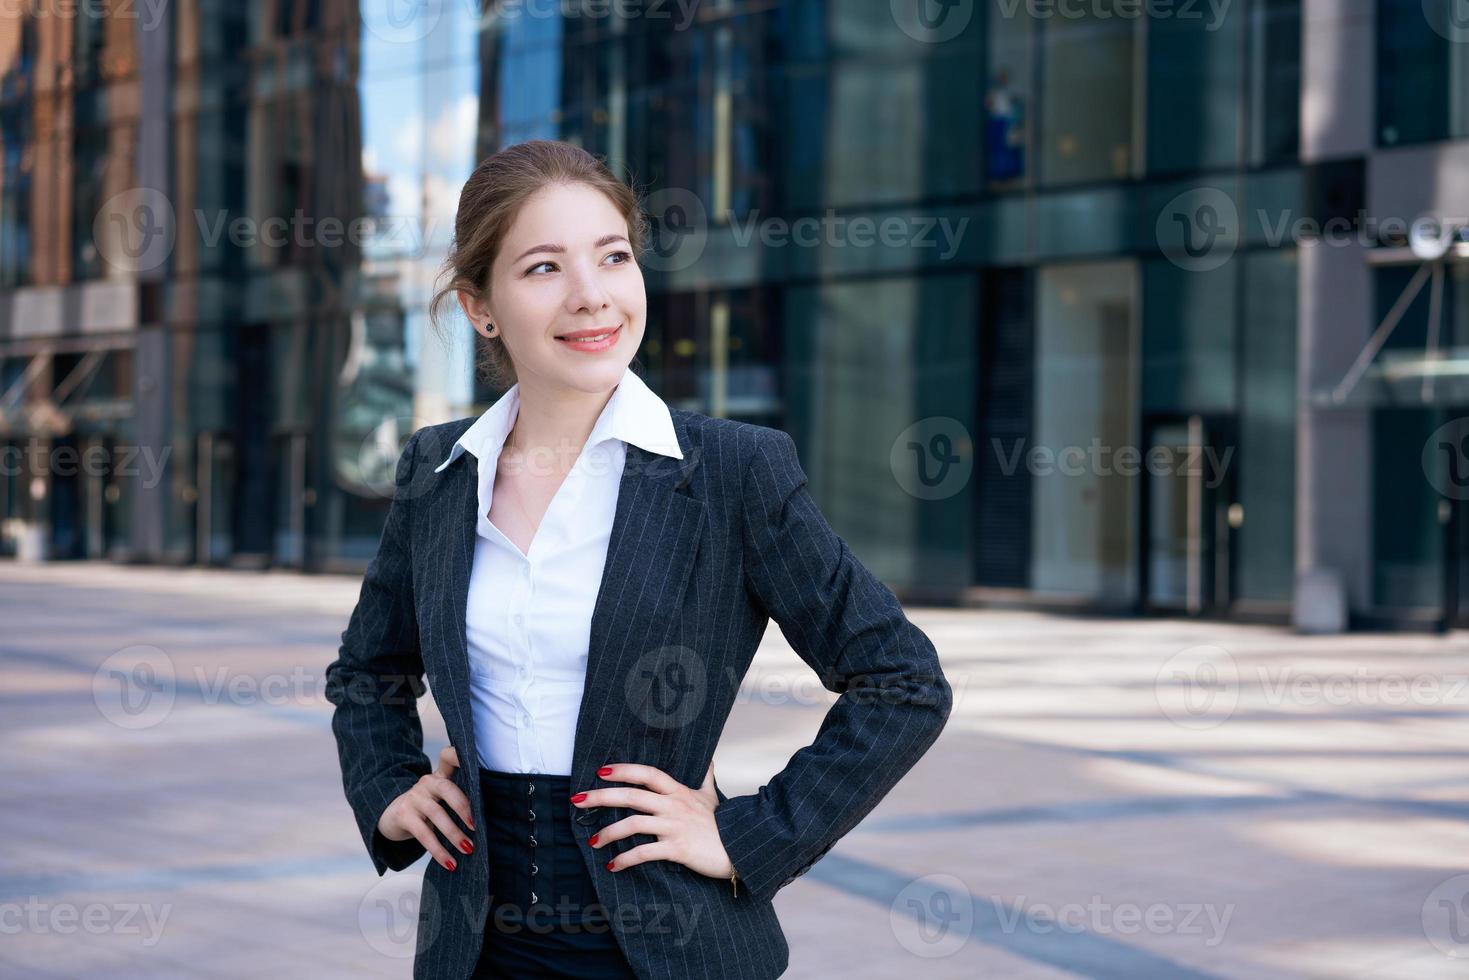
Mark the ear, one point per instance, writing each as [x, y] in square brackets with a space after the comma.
[477, 311]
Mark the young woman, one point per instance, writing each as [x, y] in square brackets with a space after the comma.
[583, 576]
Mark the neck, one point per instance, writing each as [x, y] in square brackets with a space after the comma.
[555, 422]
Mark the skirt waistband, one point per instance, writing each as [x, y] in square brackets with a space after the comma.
[536, 862]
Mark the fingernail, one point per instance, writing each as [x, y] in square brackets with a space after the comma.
[451, 865]
[466, 846]
[593, 839]
[605, 771]
[609, 865]
[578, 797]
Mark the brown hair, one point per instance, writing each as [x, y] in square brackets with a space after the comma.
[488, 204]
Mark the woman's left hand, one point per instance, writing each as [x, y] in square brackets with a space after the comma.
[681, 817]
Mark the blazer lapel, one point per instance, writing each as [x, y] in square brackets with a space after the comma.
[650, 557]
[452, 553]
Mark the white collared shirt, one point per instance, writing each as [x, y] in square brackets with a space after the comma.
[529, 616]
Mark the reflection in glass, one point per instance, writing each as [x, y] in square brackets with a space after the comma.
[1083, 532]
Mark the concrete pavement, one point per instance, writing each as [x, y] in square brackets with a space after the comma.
[1112, 798]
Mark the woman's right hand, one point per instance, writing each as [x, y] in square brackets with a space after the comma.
[417, 812]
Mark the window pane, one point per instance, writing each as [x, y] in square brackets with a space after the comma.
[1088, 93]
[1084, 527]
[1267, 451]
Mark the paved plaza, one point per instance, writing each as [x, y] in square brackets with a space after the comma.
[1115, 798]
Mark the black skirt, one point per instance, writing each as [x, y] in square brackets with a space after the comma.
[545, 919]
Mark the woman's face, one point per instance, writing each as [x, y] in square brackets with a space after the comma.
[566, 268]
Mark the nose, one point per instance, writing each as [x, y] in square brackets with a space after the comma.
[584, 290]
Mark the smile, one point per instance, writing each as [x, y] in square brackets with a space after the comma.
[587, 340]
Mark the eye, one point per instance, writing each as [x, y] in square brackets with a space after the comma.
[625, 255]
[537, 266]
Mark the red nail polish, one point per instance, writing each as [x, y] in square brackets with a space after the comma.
[605, 771]
[452, 865]
[578, 797]
[593, 839]
[609, 865]
[466, 847]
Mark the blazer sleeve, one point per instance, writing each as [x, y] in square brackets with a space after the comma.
[850, 629]
[375, 684]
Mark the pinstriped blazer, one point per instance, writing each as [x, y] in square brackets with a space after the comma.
[704, 551]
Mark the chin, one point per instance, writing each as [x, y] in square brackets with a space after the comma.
[594, 377]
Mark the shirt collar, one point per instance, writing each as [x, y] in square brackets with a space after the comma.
[634, 414]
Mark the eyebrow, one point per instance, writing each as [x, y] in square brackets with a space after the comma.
[552, 247]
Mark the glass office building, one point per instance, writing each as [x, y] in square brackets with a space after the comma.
[1073, 253]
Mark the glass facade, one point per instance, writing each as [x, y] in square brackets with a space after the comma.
[308, 157]
[1423, 71]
